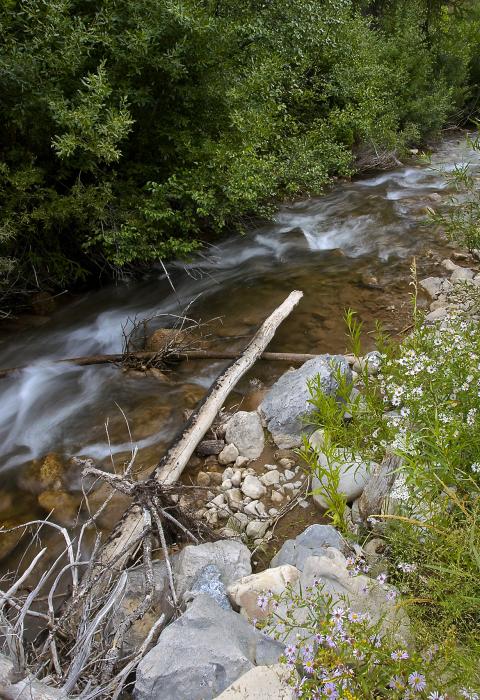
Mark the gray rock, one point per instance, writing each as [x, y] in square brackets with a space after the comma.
[201, 654]
[287, 402]
[461, 274]
[257, 528]
[231, 558]
[209, 583]
[371, 362]
[244, 430]
[270, 478]
[432, 285]
[436, 315]
[313, 541]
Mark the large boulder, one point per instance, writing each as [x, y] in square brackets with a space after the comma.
[198, 569]
[286, 405]
[360, 593]
[201, 654]
[244, 430]
[261, 683]
[353, 471]
[314, 541]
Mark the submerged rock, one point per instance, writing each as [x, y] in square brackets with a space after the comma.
[287, 403]
[201, 654]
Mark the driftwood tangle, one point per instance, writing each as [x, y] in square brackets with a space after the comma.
[176, 458]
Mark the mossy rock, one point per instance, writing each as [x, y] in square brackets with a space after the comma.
[43, 475]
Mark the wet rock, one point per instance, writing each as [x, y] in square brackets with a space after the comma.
[63, 505]
[228, 455]
[314, 541]
[261, 683]
[201, 654]
[244, 593]
[203, 479]
[163, 338]
[44, 475]
[287, 402]
[253, 487]
[209, 583]
[9, 540]
[244, 430]
[207, 448]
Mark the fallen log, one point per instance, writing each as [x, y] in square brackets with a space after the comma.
[118, 358]
[176, 458]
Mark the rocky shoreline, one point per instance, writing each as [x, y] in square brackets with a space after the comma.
[212, 650]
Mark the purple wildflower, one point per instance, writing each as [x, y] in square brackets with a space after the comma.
[417, 681]
[399, 654]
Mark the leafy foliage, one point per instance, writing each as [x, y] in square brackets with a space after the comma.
[132, 129]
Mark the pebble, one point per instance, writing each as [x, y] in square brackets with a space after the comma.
[286, 463]
[257, 528]
[289, 474]
[276, 497]
[289, 487]
[303, 504]
[270, 478]
[218, 501]
[227, 485]
[251, 508]
[228, 455]
[228, 473]
[297, 484]
[270, 466]
[241, 461]
[236, 478]
[253, 487]
[273, 512]
[234, 498]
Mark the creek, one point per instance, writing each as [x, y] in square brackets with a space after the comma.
[351, 247]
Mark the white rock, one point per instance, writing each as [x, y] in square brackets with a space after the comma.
[236, 478]
[273, 512]
[253, 487]
[244, 430]
[227, 473]
[261, 510]
[288, 474]
[251, 508]
[218, 501]
[257, 528]
[270, 478]
[245, 592]
[241, 462]
[270, 466]
[261, 683]
[228, 455]
[297, 484]
[303, 504]
[276, 497]
[226, 485]
[289, 487]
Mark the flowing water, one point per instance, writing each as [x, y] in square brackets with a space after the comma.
[352, 247]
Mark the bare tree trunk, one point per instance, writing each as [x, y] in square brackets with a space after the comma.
[293, 357]
[176, 458]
